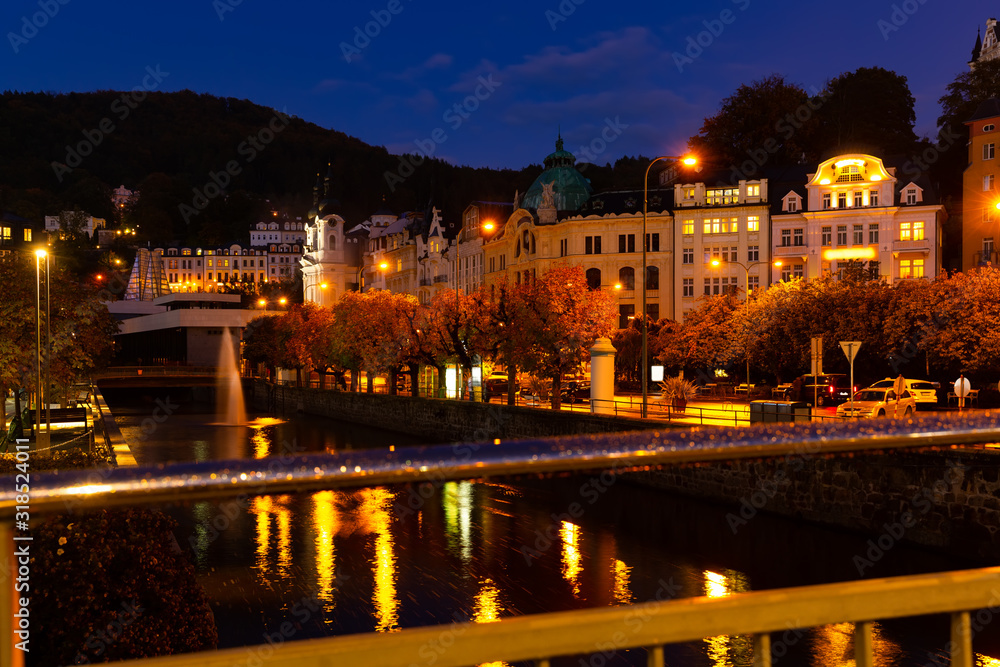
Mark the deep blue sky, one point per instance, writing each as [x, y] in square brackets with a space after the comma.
[605, 60]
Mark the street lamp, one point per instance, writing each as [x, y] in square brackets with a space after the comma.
[39, 254]
[688, 161]
[746, 269]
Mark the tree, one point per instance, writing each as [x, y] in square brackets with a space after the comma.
[562, 317]
[768, 120]
[870, 110]
[261, 343]
[453, 325]
[705, 341]
[966, 93]
[371, 330]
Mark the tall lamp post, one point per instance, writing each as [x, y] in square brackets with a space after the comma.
[688, 161]
[39, 393]
[746, 269]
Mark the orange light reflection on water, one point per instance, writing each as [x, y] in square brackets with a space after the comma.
[325, 522]
[833, 646]
[489, 606]
[622, 575]
[727, 650]
[571, 559]
[374, 510]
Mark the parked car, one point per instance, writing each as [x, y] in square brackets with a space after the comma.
[879, 402]
[575, 392]
[496, 385]
[923, 391]
[830, 389]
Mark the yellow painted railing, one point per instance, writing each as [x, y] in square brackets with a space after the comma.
[542, 637]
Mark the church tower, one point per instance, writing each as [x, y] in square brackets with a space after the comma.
[327, 270]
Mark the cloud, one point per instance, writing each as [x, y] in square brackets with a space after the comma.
[340, 85]
[438, 61]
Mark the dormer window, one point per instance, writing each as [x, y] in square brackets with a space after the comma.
[911, 196]
[988, 128]
[792, 204]
[850, 174]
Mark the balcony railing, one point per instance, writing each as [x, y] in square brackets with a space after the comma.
[911, 246]
[541, 637]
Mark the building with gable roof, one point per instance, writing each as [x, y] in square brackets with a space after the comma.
[987, 47]
[851, 205]
[332, 261]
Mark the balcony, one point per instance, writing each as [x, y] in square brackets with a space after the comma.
[791, 251]
[923, 245]
[440, 279]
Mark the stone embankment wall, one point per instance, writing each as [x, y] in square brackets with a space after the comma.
[442, 421]
[948, 499]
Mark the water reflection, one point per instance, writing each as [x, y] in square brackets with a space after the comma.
[621, 591]
[457, 501]
[571, 567]
[833, 646]
[273, 510]
[324, 523]
[727, 650]
[374, 511]
[487, 610]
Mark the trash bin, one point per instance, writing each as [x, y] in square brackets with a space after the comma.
[779, 411]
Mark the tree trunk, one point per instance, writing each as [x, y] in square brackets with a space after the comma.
[322, 379]
[369, 382]
[392, 381]
[3, 408]
[441, 385]
[354, 380]
[556, 391]
[414, 371]
[19, 432]
[511, 383]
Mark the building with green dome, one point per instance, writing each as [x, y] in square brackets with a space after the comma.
[570, 188]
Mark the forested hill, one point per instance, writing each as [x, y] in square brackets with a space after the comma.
[69, 150]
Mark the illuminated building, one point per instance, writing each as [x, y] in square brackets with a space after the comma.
[980, 217]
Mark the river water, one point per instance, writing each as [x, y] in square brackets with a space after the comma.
[295, 566]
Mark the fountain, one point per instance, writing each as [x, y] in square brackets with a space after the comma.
[229, 406]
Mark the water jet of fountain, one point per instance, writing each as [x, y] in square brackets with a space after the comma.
[229, 406]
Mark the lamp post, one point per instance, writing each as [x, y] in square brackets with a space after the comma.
[689, 161]
[39, 254]
[746, 269]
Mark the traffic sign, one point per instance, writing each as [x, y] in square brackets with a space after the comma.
[850, 348]
[899, 386]
[817, 355]
[962, 387]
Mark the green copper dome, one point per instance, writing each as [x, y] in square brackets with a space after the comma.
[570, 189]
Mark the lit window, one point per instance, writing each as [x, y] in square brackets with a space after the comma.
[918, 231]
[27, 236]
[689, 193]
[911, 268]
[399, 265]
[688, 227]
[753, 223]
[850, 174]
[753, 191]
[988, 151]
[905, 231]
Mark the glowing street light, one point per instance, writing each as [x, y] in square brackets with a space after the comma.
[39, 254]
[688, 161]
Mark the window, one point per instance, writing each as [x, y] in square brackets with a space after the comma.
[653, 312]
[592, 245]
[841, 235]
[786, 272]
[873, 198]
[626, 313]
[911, 196]
[827, 236]
[716, 286]
[653, 242]
[725, 286]
[688, 193]
[798, 238]
[988, 182]
[503, 262]
[708, 287]
[594, 278]
[754, 284]
[688, 256]
[688, 287]
[858, 199]
[850, 174]
[563, 247]
[987, 249]
[626, 276]
[874, 269]
[652, 278]
[859, 235]
[918, 230]
[911, 268]
[905, 231]
[753, 191]
[721, 226]
[826, 200]
[753, 223]
[873, 233]
[793, 204]
[786, 238]
[687, 227]
[797, 271]
[841, 200]
[722, 196]
[753, 253]
[988, 128]
[626, 243]
[27, 236]
[988, 151]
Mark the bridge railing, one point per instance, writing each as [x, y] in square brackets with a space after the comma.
[154, 371]
[542, 637]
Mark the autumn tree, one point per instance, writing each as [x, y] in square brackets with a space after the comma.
[371, 330]
[261, 343]
[562, 317]
[453, 326]
[499, 335]
[705, 341]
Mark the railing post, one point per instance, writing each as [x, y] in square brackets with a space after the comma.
[654, 657]
[961, 639]
[864, 652]
[762, 650]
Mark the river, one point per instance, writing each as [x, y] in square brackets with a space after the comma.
[295, 566]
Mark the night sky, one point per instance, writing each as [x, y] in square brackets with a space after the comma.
[627, 75]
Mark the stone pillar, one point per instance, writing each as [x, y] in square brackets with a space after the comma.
[602, 377]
